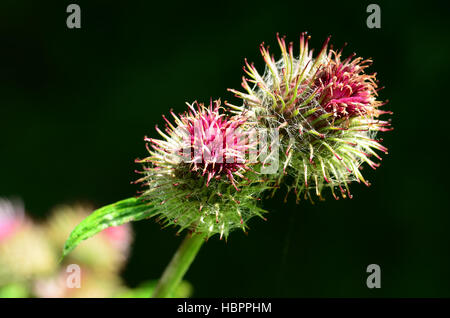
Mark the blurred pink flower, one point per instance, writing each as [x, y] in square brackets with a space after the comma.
[11, 217]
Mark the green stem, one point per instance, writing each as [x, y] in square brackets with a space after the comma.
[178, 266]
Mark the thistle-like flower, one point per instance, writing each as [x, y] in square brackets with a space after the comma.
[326, 111]
[199, 177]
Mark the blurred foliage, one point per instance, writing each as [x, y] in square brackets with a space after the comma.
[29, 253]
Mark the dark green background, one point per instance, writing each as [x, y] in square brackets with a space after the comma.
[76, 104]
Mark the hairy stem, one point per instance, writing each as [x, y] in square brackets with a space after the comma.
[178, 266]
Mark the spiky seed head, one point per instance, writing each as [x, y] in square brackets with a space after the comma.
[198, 177]
[326, 111]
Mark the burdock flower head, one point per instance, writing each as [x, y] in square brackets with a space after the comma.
[198, 176]
[326, 111]
[209, 169]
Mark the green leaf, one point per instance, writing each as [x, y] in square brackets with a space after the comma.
[132, 209]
